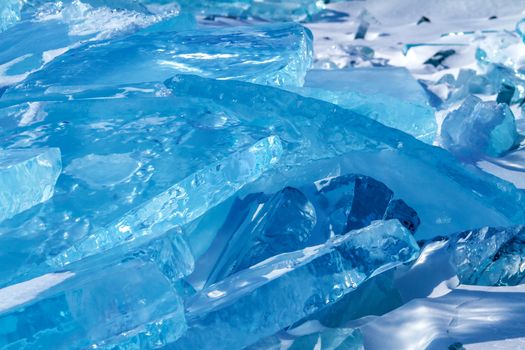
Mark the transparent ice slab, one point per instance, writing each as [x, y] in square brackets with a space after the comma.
[387, 94]
[366, 147]
[27, 178]
[248, 306]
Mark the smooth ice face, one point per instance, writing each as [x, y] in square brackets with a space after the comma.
[129, 304]
[478, 128]
[27, 178]
[270, 226]
[248, 306]
[275, 54]
[50, 29]
[321, 138]
[180, 204]
[9, 13]
[181, 159]
[389, 95]
[293, 219]
[492, 256]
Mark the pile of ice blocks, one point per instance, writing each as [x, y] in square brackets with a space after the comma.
[198, 175]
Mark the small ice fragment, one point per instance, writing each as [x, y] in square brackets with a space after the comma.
[27, 178]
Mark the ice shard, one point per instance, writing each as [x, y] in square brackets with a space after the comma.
[155, 143]
[9, 13]
[248, 306]
[287, 10]
[27, 178]
[124, 306]
[492, 256]
[479, 128]
[321, 138]
[181, 203]
[294, 219]
[50, 29]
[276, 54]
[280, 224]
[386, 94]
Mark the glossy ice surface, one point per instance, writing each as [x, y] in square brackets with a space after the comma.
[127, 305]
[247, 306]
[294, 219]
[386, 94]
[275, 54]
[490, 255]
[27, 178]
[341, 141]
[176, 174]
[478, 128]
[9, 13]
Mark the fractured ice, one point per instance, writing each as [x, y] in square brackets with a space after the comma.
[294, 219]
[123, 306]
[490, 255]
[9, 13]
[478, 128]
[27, 178]
[216, 193]
[387, 94]
[365, 146]
[51, 29]
[276, 54]
[247, 306]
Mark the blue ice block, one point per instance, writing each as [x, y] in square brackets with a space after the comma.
[271, 10]
[322, 139]
[27, 178]
[492, 256]
[276, 54]
[49, 29]
[248, 306]
[156, 146]
[9, 13]
[479, 128]
[389, 95]
[123, 306]
[294, 219]
[180, 204]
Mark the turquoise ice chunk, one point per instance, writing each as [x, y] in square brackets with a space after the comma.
[284, 10]
[492, 256]
[321, 138]
[294, 219]
[389, 95]
[257, 302]
[129, 305]
[479, 128]
[276, 54]
[9, 13]
[120, 154]
[27, 178]
[49, 29]
[181, 203]
[279, 224]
